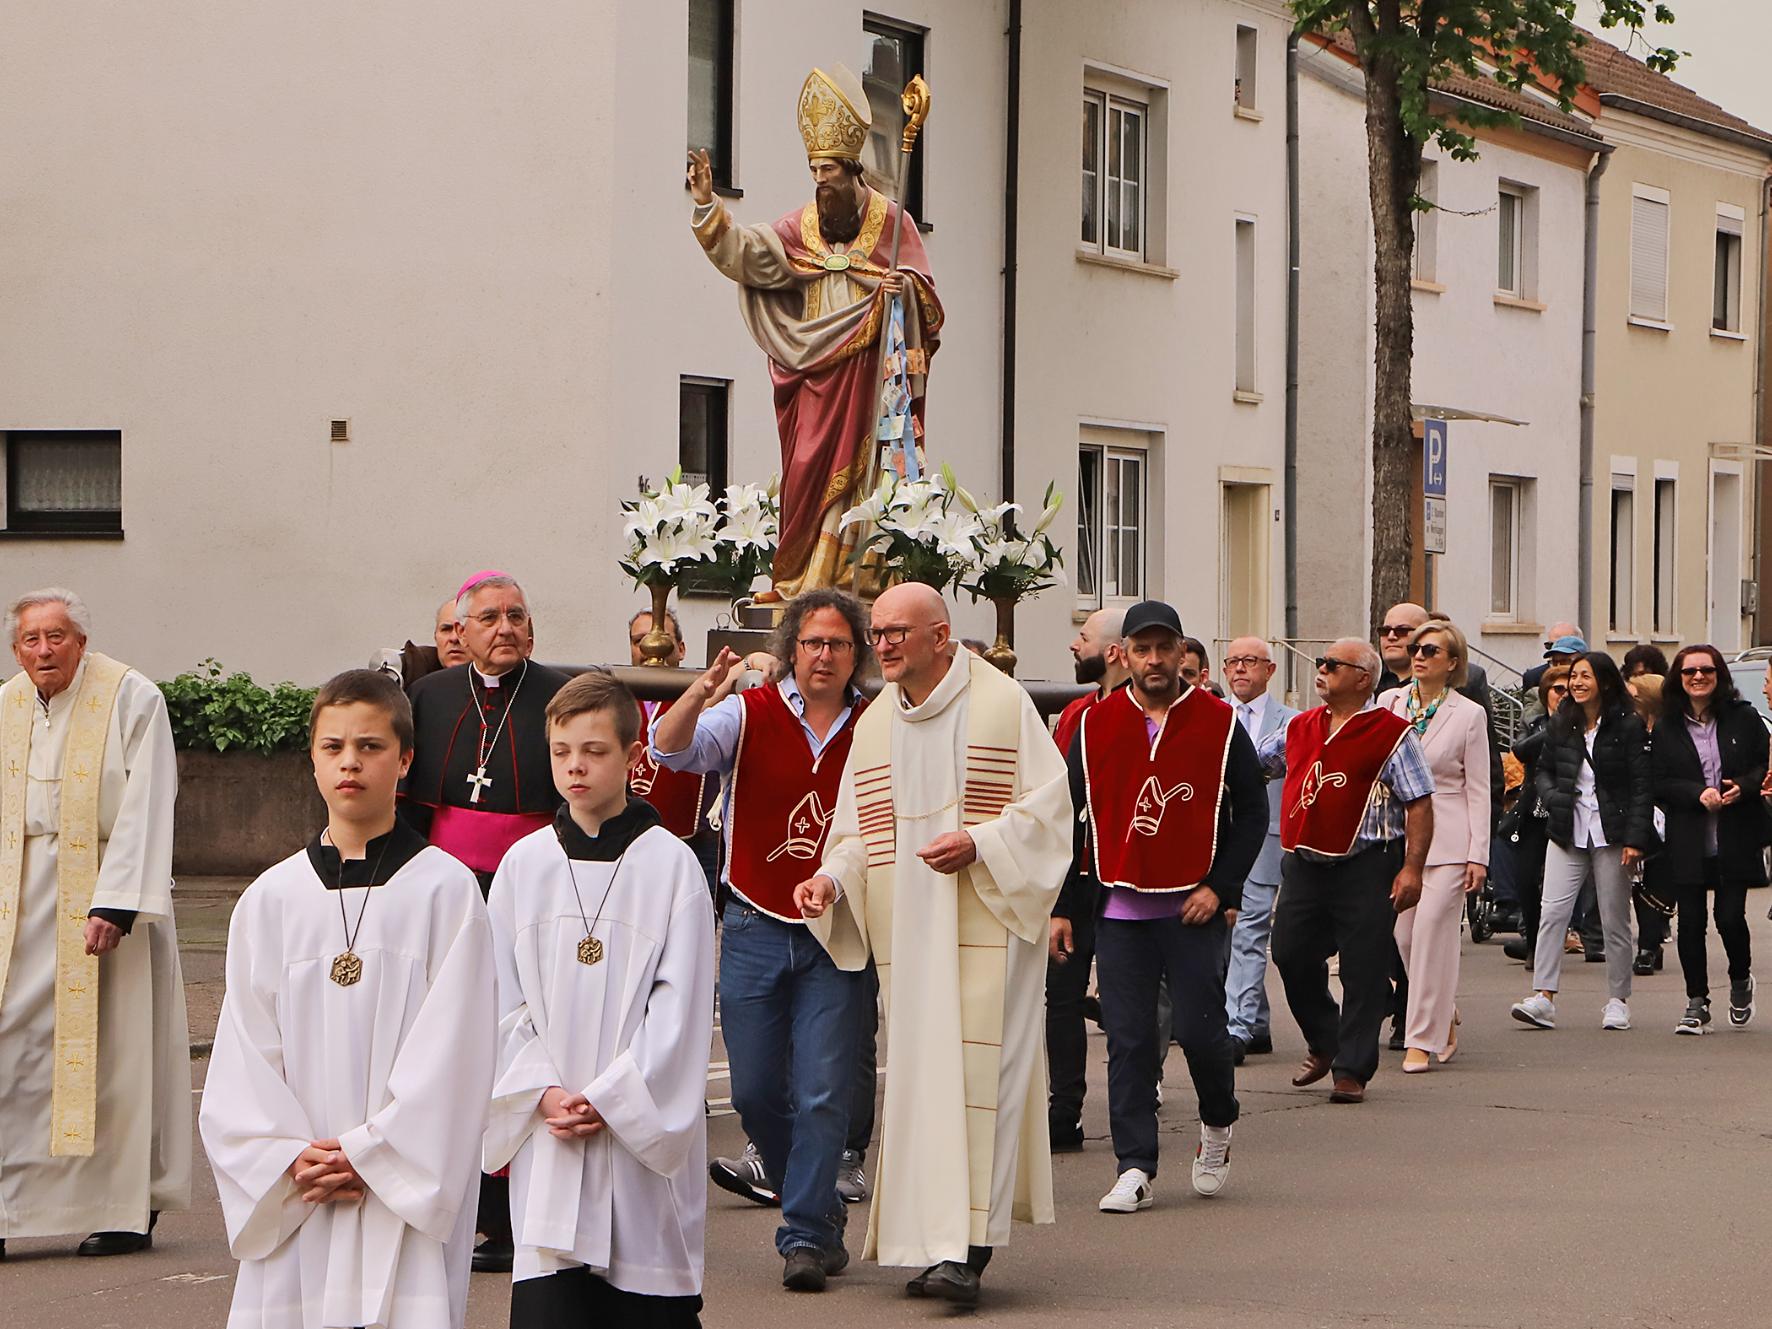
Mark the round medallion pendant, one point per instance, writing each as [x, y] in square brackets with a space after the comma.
[836, 262]
[346, 969]
[590, 950]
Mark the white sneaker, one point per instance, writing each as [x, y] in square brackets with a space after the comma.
[1616, 1016]
[1212, 1160]
[1537, 1010]
[1131, 1193]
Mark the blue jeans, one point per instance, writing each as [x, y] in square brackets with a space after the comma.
[789, 1018]
[1245, 987]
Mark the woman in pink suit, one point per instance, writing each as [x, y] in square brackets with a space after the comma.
[1454, 732]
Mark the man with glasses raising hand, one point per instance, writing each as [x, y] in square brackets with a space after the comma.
[1356, 816]
[482, 778]
[794, 1023]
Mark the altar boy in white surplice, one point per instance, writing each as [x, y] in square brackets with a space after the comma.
[605, 944]
[343, 1110]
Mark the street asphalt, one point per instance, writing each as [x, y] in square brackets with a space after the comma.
[1565, 1178]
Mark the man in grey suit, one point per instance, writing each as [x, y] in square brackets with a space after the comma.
[1248, 669]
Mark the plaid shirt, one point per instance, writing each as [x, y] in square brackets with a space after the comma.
[1405, 778]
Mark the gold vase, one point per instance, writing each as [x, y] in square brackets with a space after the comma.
[657, 645]
[1001, 653]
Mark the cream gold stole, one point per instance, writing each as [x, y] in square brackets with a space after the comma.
[993, 740]
[74, 1098]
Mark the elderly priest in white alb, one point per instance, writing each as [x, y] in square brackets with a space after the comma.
[951, 839]
[95, 1124]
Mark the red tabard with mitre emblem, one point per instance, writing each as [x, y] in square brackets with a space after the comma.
[675, 795]
[783, 800]
[1329, 779]
[1153, 805]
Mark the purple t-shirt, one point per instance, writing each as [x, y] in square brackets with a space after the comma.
[1710, 760]
[1142, 906]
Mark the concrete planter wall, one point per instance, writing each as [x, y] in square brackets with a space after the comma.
[239, 812]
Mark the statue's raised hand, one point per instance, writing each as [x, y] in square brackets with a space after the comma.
[701, 177]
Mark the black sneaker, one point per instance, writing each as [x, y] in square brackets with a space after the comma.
[1644, 964]
[1396, 1039]
[746, 1176]
[1239, 1049]
[1696, 1020]
[1261, 1045]
[1065, 1139]
[1741, 1002]
[803, 1270]
[1518, 949]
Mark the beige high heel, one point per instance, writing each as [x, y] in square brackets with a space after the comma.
[1415, 1061]
[1451, 1039]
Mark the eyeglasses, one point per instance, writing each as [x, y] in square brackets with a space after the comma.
[1329, 666]
[1698, 671]
[516, 616]
[1244, 661]
[819, 645]
[891, 636]
[1395, 630]
[1427, 650]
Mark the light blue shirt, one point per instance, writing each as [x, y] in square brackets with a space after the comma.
[714, 749]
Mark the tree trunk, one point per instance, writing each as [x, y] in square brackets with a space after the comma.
[1394, 165]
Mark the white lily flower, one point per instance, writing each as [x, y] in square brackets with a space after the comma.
[642, 517]
[750, 528]
[953, 532]
[680, 500]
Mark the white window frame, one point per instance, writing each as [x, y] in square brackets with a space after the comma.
[1106, 531]
[1645, 313]
[1511, 491]
[1424, 256]
[1621, 576]
[1731, 221]
[1513, 252]
[1109, 104]
[1246, 304]
[1664, 591]
[1248, 52]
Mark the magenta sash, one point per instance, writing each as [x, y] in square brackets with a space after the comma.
[481, 839]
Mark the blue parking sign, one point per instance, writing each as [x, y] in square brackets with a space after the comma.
[1433, 458]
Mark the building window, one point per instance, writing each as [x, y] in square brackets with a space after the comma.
[894, 58]
[702, 419]
[1424, 256]
[1725, 309]
[1648, 253]
[1110, 524]
[1662, 607]
[1504, 548]
[1246, 48]
[64, 481]
[1245, 305]
[1114, 174]
[710, 84]
[1622, 595]
[1510, 274]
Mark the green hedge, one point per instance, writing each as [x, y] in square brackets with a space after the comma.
[216, 712]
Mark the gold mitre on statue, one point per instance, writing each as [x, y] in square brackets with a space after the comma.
[833, 115]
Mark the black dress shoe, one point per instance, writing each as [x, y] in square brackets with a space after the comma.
[1239, 1050]
[1261, 1044]
[948, 1281]
[493, 1256]
[1396, 1043]
[1594, 957]
[116, 1243]
[1518, 949]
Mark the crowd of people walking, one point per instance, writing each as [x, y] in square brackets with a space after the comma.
[493, 976]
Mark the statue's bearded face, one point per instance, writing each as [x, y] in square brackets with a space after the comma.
[839, 196]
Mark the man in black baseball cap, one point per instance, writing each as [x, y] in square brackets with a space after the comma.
[1176, 810]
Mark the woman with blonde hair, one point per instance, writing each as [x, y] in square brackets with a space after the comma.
[1454, 734]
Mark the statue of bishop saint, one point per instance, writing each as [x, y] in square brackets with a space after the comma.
[816, 289]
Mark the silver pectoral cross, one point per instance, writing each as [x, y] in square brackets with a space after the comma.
[480, 780]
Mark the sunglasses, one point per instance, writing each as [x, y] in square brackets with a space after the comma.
[1395, 630]
[1427, 650]
[1329, 666]
[1698, 671]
